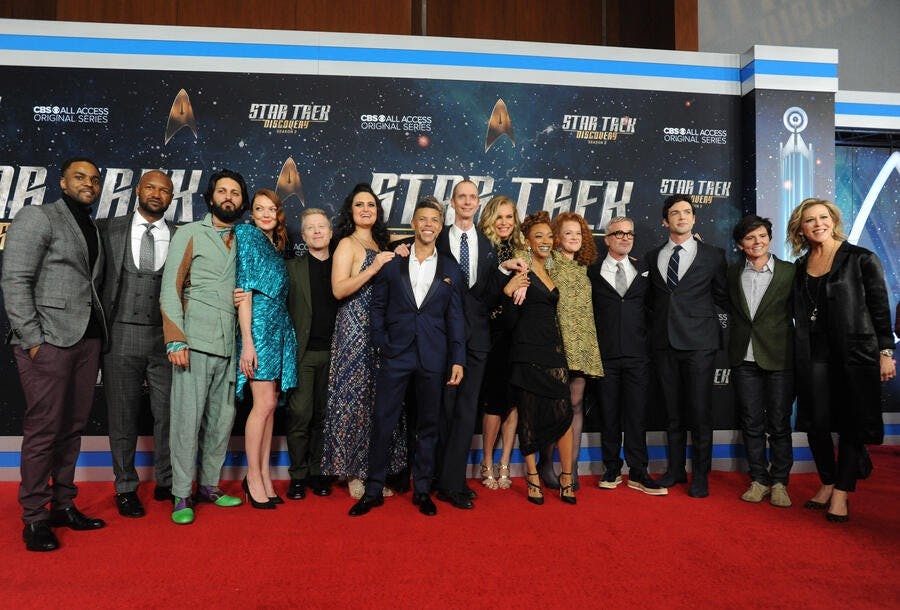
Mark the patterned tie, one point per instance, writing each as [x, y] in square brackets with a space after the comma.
[147, 256]
[672, 271]
[621, 281]
[464, 256]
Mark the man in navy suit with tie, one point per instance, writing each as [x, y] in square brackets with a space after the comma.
[417, 323]
[619, 287]
[687, 285]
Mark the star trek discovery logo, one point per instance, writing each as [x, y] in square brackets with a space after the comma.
[702, 192]
[288, 118]
[598, 129]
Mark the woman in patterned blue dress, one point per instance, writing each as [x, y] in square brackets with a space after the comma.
[360, 254]
[266, 343]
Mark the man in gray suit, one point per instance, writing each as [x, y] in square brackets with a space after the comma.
[52, 272]
[136, 246]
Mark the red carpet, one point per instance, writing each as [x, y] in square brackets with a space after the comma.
[614, 549]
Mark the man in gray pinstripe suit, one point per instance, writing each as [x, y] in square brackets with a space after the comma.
[136, 246]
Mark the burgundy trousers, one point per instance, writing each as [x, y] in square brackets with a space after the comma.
[59, 391]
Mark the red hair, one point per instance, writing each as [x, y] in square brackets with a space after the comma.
[588, 252]
[279, 233]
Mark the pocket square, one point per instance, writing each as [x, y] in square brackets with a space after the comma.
[447, 281]
[645, 274]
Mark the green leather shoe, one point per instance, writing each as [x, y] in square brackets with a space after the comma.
[216, 496]
[182, 513]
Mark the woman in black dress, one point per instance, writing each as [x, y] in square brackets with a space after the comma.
[844, 350]
[499, 222]
[539, 372]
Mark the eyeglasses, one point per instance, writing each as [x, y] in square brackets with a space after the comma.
[622, 234]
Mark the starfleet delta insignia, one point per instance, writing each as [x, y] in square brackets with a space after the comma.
[499, 125]
[181, 115]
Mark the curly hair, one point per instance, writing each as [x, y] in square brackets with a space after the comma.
[279, 233]
[587, 254]
[489, 217]
[344, 225]
[541, 217]
[795, 235]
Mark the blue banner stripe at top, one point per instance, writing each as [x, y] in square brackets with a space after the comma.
[776, 67]
[866, 109]
[70, 44]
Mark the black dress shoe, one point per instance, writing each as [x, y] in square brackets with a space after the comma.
[425, 504]
[670, 479]
[699, 486]
[469, 492]
[365, 504]
[163, 493]
[458, 499]
[39, 537]
[73, 518]
[296, 489]
[129, 504]
[321, 486]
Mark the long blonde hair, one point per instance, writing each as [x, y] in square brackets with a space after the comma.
[795, 235]
[489, 216]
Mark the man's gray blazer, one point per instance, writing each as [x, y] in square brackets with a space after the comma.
[48, 287]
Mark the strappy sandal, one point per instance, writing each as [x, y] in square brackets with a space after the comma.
[504, 481]
[534, 498]
[487, 477]
[567, 492]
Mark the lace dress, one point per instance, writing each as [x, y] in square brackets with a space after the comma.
[538, 369]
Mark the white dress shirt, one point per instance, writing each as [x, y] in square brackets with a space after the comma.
[686, 256]
[608, 270]
[160, 240]
[421, 275]
[754, 285]
[454, 236]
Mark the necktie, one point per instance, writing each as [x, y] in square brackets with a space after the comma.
[672, 271]
[147, 256]
[621, 281]
[464, 256]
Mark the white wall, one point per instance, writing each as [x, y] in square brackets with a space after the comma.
[866, 33]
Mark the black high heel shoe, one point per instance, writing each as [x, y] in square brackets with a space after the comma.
[830, 516]
[267, 505]
[567, 492]
[276, 499]
[538, 499]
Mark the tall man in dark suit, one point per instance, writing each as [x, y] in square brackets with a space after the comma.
[619, 287]
[52, 275]
[136, 246]
[687, 284]
[418, 325]
[761, 353]
[482, 283]
[312, 307]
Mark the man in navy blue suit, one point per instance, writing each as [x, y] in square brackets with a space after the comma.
[417, 323]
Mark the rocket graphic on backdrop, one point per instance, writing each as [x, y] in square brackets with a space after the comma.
[797, 166]
[289, 184]
[181, 115]
[499, 124]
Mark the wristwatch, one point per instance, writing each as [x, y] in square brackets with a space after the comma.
[887, 352]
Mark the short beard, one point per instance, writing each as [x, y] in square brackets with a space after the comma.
[224, 215]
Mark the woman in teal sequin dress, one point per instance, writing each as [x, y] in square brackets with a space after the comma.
[266, 343]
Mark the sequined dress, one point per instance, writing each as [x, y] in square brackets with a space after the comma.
[351, 392]
[261, 269]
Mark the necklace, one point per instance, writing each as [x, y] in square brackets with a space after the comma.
[813, 301]
[370, 246]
